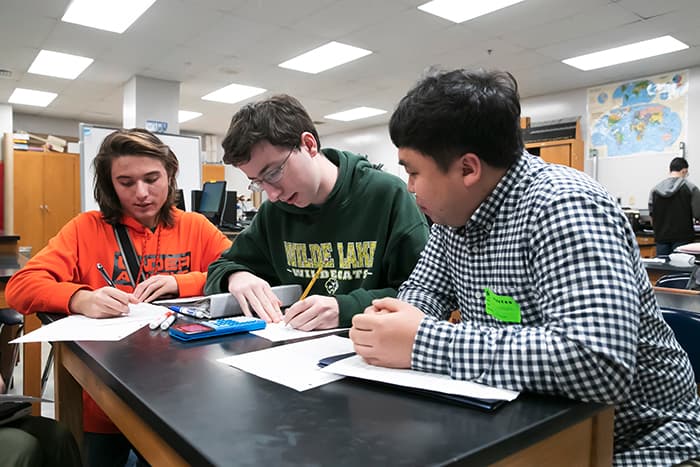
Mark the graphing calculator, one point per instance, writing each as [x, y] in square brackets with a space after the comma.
[216, 327]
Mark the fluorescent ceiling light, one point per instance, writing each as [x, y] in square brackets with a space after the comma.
[626, 53]
[459, 11]
[58, 64]
[109, 15]
[355, 114]
[31, 97]
[233, 93]
[325, 57]
[186, 115]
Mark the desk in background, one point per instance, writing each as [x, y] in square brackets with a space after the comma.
[179, 406]
[657, 270]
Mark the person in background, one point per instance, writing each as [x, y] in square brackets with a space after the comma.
[673, 205]
[37, 442]
[542, 264]
[326, 208]
[135, 184]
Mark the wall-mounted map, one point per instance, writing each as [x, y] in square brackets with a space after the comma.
[639, 117]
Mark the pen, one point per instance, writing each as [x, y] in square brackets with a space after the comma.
[311, 282]
[184, 310]
[168, 321]
[159, 320]
[106, 277]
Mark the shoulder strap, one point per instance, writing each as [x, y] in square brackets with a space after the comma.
[127, 250]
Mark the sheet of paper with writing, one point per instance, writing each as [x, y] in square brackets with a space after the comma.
[293, 365]
[82, 328]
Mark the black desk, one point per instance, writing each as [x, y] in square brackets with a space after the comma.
[179, 406]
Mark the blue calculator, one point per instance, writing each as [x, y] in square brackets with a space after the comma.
[217, 327]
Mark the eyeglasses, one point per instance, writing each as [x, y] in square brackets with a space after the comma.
[271, 176]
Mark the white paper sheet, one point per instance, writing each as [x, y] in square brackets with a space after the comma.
[82, 328]
[358, 368]
[277, 332]
[293, 365]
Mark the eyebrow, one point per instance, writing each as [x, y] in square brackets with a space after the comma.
[148, 174]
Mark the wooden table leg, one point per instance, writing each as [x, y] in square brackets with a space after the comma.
[32, 363]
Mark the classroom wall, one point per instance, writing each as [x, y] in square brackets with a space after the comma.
[627, 178]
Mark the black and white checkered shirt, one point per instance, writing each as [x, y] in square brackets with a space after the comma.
[555, 241]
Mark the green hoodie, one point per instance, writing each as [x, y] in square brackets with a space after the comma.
[369, 233]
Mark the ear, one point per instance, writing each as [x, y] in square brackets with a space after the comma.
[308, 142]
[471, 167]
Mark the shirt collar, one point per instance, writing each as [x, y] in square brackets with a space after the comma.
[485, 215]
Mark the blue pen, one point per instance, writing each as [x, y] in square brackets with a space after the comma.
[183, 310]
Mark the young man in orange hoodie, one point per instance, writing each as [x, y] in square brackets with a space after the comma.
[135, 186]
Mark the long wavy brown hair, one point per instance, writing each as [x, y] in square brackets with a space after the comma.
[134, 142]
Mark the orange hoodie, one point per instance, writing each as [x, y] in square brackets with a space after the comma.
[68, 263]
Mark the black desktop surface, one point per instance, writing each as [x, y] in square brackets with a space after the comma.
[213, 414]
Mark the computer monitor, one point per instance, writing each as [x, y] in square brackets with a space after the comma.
[212, 201]
[196, 196]
[179, 199]
[229, 216]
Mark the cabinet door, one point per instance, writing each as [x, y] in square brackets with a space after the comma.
[61, 176]
[559, 154]
[29, 199]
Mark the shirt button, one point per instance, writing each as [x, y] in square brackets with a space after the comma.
[475, 249]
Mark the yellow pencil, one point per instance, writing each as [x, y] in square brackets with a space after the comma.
[311, 282]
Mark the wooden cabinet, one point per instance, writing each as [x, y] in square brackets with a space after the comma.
[46, 194]
[565, 152]
[647, 246]
[213, 173]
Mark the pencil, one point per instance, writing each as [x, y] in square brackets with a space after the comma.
[311, 282]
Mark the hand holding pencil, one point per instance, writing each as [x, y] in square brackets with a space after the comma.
[311, 282]
[314, 312]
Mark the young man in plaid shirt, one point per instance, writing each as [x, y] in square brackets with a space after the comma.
[543, 266]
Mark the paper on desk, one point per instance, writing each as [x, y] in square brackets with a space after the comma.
[358, 368]
[82, 328]
[293, 365]
[277, 332]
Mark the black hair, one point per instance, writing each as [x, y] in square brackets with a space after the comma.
[451, 113]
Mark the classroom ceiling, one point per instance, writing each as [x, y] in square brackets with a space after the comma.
[207, 44]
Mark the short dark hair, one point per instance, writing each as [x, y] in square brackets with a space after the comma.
[280, 120]
[450, 113]
[133, 142]
[678, 164]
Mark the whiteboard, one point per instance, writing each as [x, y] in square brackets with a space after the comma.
[631, 178]
[186, 148]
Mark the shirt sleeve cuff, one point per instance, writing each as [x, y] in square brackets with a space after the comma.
[431, 348]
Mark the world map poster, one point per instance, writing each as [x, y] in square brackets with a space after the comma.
[644, 116]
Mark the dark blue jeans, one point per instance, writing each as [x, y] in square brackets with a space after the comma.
[666, 248]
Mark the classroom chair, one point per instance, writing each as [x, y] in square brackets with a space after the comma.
[686, 327]
[11, 323]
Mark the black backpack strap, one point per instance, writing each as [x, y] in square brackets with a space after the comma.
[127, 250]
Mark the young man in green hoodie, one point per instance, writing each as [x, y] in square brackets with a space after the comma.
[325, 208]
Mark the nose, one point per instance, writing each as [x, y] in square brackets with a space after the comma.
[141, 189]
[273, 192]
[411, 186]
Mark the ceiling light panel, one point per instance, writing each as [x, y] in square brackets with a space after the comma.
[31, 97]
[187, 115]
[233, 93]
[459, 11]
[325, 57]
[626, 53]
[108, 15]
[355, 114]
[59, 65]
